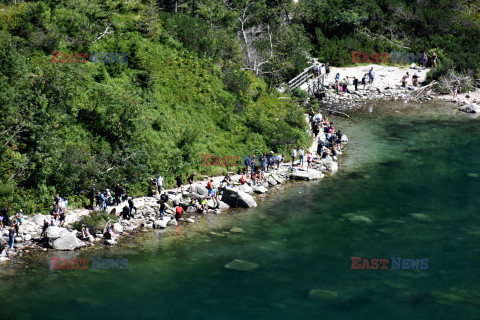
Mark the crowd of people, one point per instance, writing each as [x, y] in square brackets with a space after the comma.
[332, 143]
[13, 224]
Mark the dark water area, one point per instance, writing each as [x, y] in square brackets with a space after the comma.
[408, 186]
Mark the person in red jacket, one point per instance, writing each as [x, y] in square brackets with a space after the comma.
[178, 212]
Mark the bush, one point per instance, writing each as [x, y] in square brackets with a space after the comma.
[95, 221]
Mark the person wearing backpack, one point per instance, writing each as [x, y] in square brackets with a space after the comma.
[247, 162]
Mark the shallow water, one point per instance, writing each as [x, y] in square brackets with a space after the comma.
[422, 160]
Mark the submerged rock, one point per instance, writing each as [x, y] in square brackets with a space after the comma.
[237, 230]
[322, 294]
[241, 265]
[357, 218]
[420, 217]
[473, 175]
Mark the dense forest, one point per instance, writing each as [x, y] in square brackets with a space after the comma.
[167, 81]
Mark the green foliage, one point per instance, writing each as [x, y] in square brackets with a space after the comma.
[67, 127]
[95, 221]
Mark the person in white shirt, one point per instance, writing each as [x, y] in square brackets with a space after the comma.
[294, 154]
[301, 154]
[159, 184]
[279, 160]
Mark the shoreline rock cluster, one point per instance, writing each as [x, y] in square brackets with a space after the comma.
[146, 217]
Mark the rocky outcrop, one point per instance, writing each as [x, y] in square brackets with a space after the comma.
[62, 239]
[470, 108]
[236, 198]
[306, 175]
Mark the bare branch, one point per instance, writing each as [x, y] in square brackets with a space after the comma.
[107, 31]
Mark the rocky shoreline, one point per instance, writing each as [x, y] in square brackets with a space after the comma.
[146, 218]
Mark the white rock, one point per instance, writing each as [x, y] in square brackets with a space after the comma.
[118, 228]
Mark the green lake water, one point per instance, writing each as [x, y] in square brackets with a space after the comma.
[401, 160]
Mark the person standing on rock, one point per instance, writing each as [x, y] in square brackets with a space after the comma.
[179, 183]
[191, 178]
[455, 90]
[44, 228]
[263, 161]
[91, 197]
[247, 163]
[309, 160]
[163, 208]
[364, 81]
[62, 218]
[311, 114]
[355, 83]
[11, 237]
[252, 165]
[131, 206]
[301, 155]
[415, 80]
[371, 75]
[294, 154]
[434, 59]
[118, 194]
[164, 197]
[125, 213]
[425, 59]
[327, 68]
[209, 187]
[405, 80]
[159, 184]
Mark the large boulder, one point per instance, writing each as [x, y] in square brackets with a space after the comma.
[272, 181]
[161, 224]
[222, 205]
[246, 188]
[172, 222]
[259, 189]
[38, 219]
[62, 239]
[470, 108]
[306, 175]
[55, 232]
[278, 178]
[201, 190]
[236, 198]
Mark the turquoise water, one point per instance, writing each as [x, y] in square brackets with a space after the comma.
[422, 160]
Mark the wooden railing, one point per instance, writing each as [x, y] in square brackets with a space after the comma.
[300, 79]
